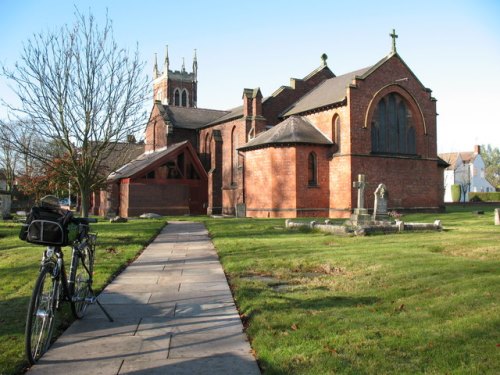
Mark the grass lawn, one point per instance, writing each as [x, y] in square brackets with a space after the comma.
[19, 262]
[314, 303]
[386, 304]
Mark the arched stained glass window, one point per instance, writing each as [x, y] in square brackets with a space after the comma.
[392, 128]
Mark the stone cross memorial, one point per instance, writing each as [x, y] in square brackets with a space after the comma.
[380, 205]
[360, 185]
[360, 215]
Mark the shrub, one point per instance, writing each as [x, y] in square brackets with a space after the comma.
[484, 197]
[456, 192]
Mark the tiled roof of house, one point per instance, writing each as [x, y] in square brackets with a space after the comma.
[294, 130]
[143, 161]
[189, 118]
[331, 91]
[451, 158]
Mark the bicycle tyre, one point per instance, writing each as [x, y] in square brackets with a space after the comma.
[41, 314]
[81, 280]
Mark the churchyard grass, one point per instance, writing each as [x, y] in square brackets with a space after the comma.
[406, 303]
[118, 244]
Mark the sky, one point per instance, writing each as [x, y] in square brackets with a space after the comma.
[453, 47]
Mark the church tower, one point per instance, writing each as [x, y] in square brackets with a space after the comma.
[174, 87]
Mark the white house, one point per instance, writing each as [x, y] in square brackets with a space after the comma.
[466, 169]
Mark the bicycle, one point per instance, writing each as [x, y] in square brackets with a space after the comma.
[49, 225]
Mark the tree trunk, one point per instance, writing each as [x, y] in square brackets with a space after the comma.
[84, 201]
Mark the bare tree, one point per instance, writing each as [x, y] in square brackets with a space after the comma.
[80, 92]
[9, 160]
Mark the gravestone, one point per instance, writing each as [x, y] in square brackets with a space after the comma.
[5, 204]
[497, 216]
[380, 205]
[360, 215]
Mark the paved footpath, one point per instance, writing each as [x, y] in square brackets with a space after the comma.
[173, 314]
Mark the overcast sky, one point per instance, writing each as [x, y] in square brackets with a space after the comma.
[452, 46]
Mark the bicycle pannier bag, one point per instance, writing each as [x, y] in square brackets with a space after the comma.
[46, 226]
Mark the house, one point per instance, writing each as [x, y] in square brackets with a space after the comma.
[466, 169]
[294, 153]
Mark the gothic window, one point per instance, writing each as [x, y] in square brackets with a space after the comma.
[392, 127]
[184, 98]
[234, 157]
[176, 97]
[336, 131]
[207, 151]
[312, 169]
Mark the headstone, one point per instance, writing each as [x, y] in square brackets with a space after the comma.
[241, 210]
[150, 215]
[400, 225]
[5, 204]
[380, 205]
[497, 216]
[118, 219]
[360, 215]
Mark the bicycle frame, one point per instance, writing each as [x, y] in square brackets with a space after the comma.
[55, 256]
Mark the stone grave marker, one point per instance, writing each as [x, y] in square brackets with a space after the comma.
[380, 205]
[360, 215]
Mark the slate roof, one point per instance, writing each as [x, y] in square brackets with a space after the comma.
[143, 161]
[331, 91]
[189, 118]
[229, 115]
[294, 130]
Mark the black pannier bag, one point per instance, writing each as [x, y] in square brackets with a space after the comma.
[46, 226]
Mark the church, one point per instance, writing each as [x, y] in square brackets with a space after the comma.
[294, 153]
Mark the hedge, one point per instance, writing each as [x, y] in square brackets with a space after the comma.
[485, 197]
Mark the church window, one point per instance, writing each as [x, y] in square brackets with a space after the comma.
[312, 169]
[176, 97]
[392, 128]
[184, 98]
[336, 131]
[234, 156]
[207, 152]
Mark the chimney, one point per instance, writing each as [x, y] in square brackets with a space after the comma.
[477, 149]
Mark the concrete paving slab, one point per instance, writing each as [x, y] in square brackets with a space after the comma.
[173, 313]
[100, 327]
[135, 288]
[231, 363]
[199, 324]
[122, 311]
[121, 298]
[188, 345]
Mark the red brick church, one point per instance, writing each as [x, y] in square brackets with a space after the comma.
[291, 154]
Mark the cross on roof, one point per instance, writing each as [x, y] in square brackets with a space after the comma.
[393, 36]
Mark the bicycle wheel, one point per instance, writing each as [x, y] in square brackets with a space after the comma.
[81, 280]
[41, 314]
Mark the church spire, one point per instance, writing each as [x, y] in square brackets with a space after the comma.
[156, 73]
[183, 65]
[394, 37]
[195, 66]
[166, 63]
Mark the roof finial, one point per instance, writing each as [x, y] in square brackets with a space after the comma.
[393, 36]
[167, 61]
[324, 57]
[183, 65]
[195, 66]
[155, 68]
